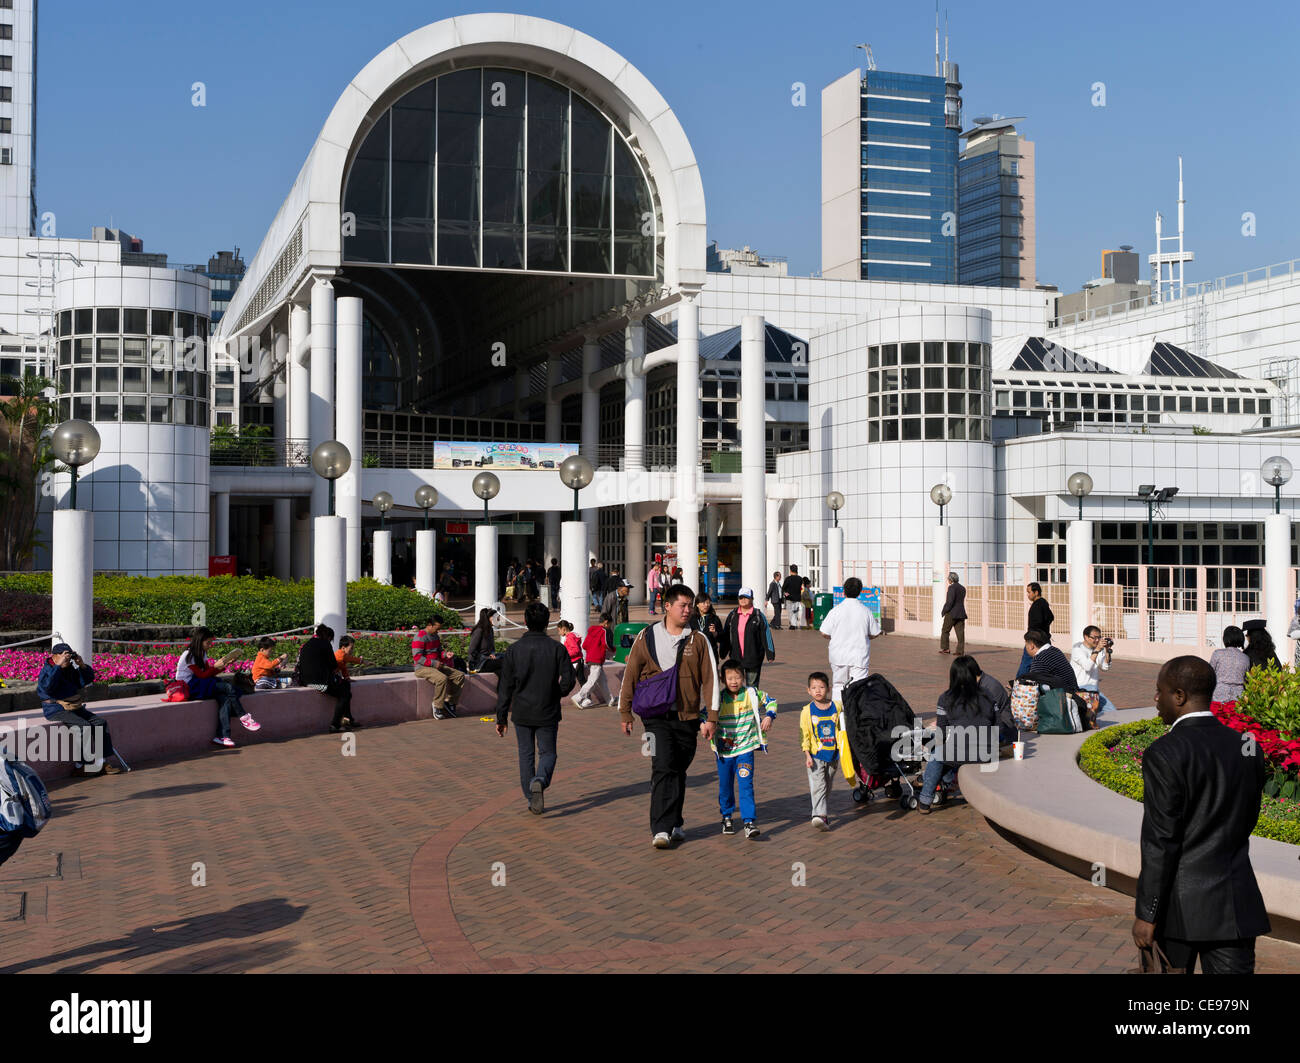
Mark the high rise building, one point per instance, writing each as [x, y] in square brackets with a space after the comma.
[889, 175]
[17, 117]
[995, 206]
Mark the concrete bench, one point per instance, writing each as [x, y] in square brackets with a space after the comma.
[148, 729]
[1049, 802]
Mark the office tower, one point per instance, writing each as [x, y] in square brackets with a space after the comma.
[995, 206]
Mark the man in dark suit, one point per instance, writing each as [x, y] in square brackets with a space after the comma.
[1197, 893]
[954, 615]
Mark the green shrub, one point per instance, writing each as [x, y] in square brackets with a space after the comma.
[1113, 757]
[1271, 697]
[242, 605]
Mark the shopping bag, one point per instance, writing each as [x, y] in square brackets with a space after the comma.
[1024, 705]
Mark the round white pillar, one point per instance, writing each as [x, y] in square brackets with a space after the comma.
[753, 440]
[322, 385]
[712, 518]
[1078, 562]
[300, 562]
[1277, 565]
[939, 574]
[575, 600]
[426, 562]
[773, 544]
[485, 568]
[330, 597]
[634, 550]
[833, 575]
[221, 507]
[590, 446]
[279, 388]
[347, 415]
[688, 438]
[550, 538]
[72, 560]
[634, 396]
[299, 374]
[383, 559]
[282, 515]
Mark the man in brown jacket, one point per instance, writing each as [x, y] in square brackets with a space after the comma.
[672, 737]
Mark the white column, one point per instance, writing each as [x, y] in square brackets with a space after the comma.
[575, 601]
[300, 561]
[330, 591]
[634, 554]
[634, 395]
[712, 518]
[590, 445]
[71, 591]
[299, 373]
[773, 543]
[551, 520]
[1277, 567]
[282, 511]
[322, 384]
[939, 574]
[1078, 561]
[383, 559]
[485, 569]
[833, 573]
[753, 458]
[426, 562]
[347, 414]
[688, 438]
[221, 506]
[280, 388]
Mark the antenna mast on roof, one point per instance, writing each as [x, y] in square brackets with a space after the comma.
[938, 69]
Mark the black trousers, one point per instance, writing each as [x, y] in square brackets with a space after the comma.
[536, 755]
[1217, 957]
[673, 750]
[9, 844]
[87, 721]
[341, 690]
[776, 616]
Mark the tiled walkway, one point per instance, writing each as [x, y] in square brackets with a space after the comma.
[418, 853]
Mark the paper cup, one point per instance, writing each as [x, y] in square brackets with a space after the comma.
[1018, 750]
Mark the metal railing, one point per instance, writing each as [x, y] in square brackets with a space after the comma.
[260, 453]
[423, 455]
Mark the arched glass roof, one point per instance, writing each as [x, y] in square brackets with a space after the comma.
[498, 169]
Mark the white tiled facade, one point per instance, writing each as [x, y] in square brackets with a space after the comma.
[18, 141]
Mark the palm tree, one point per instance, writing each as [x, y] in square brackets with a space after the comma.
[28, 413]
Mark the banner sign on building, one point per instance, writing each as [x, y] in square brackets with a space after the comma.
[870, 597]
[497, 456]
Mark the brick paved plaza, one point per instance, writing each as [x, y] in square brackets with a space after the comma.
[385, 861]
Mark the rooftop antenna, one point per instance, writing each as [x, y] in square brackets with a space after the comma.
[938, 70]
[870, 59]
[1175, 260]
[945, 39]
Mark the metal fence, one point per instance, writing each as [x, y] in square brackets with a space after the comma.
[260, 453]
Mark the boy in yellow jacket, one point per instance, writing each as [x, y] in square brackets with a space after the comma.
[825, 745]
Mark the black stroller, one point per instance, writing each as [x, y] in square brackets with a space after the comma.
[881, 729]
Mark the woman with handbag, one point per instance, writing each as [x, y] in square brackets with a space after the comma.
[202, 682]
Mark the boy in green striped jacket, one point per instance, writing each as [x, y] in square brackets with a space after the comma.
[743, 718]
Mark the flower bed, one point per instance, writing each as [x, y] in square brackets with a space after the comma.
[125, 664]
[1113, 757]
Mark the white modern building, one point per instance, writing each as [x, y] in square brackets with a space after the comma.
[18, 118]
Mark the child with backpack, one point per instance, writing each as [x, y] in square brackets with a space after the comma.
[596, 649]
[825, 744]
[743, 718]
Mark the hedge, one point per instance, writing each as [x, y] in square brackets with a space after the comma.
[1113, 757]
[31, 610]
[244, 605]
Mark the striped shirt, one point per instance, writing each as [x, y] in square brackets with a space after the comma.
[738, 727]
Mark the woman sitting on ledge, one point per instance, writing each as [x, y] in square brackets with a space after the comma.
[318, 668]
[201, 678]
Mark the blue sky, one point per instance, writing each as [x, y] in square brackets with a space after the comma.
[118, 138]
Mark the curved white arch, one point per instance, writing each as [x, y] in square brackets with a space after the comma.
[554, 50]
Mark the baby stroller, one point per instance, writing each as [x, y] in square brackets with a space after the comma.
[874, 711]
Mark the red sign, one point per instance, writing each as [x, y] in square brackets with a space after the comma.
[457, 527]
[221, 565]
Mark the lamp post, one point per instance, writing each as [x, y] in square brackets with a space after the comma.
[1078, 556]
[941, 495]
[835, 502]
[1080, 485]
[835, 543]
[382, 551]
[76, 443]
[331, 460]
[383, 502]
[426, 498]
[1151, 497]
[1276, 472]
[487, 486]
[576, 472]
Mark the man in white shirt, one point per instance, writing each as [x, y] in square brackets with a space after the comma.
[1090, 658]
[850, 626]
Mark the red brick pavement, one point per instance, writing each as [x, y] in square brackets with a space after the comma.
[385, 861]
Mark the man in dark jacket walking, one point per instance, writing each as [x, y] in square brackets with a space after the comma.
[746, 637]
[535, 676]
[1196, 893]
[792, 591]
[1040, 619]
[775, 596]
[954, 615]
[553, 582]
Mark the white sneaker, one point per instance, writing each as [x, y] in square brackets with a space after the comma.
[661, 841]
[820, 823]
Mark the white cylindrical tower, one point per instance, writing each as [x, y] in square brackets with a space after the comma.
[72, 593]
[485, 568]
[939, 574]
[753, 441]
[426, 562]
[330, 591]
[383, 559]
[1277, 584]
[574, 600]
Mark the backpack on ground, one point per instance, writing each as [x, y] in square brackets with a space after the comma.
[24, 802]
